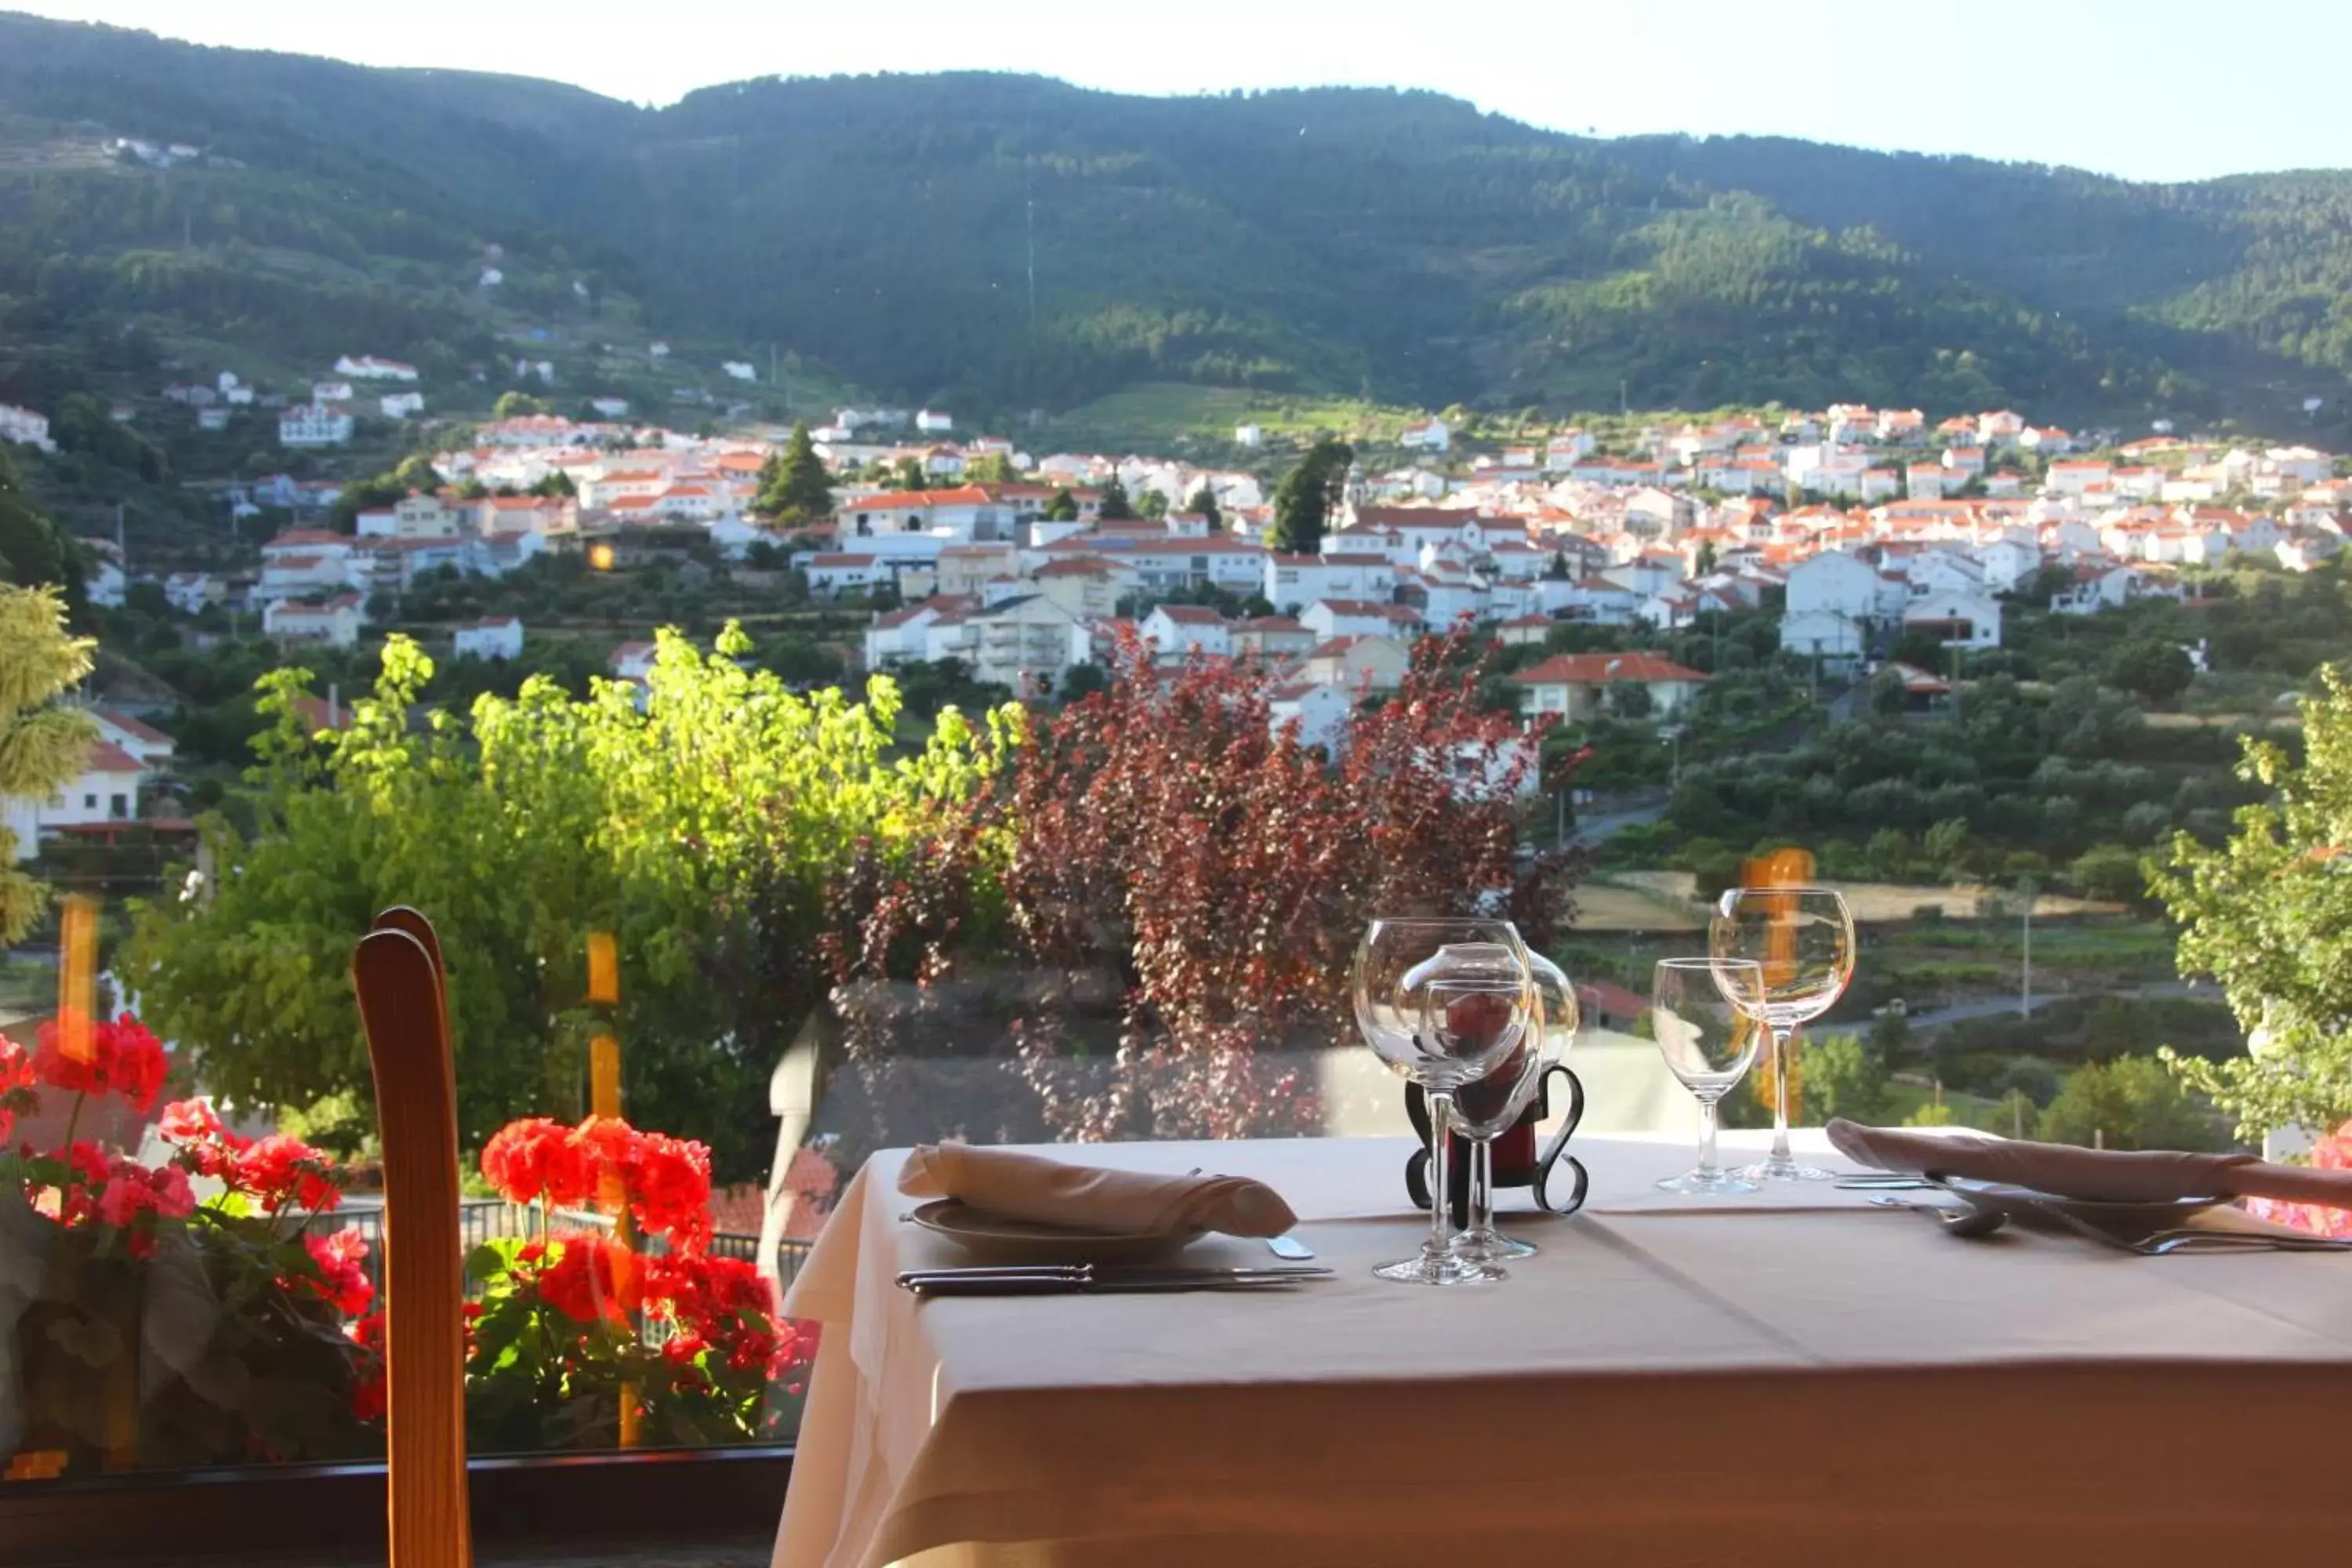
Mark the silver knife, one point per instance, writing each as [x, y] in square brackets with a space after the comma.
[1086, 1279]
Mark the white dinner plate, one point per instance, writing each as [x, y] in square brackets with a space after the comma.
[994, 1239]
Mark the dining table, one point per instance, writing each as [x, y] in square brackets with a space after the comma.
[1799, 1376]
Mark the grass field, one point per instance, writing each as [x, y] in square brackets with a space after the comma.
[1873, 903]
[1158, 413]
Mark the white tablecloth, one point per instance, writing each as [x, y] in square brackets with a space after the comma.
[1795, 1378]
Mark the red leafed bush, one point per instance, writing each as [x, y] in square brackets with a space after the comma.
[1167, 830]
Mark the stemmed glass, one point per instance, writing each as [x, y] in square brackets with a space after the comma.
[1703, 1014]
[1485, 1111]
[1803, 938]
[1441, 1002]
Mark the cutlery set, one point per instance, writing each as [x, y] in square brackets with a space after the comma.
[1983, 1220]
[1089, 1278]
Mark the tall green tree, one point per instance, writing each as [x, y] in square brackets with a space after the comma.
[794, 488]
[1204, 504]
[30, 551]
[703, 829]
[42, 743]
[1062, 507]
[2269, 914]
[2158, 671]
[1115, 507]
[2131, 1102]
[1309, 494]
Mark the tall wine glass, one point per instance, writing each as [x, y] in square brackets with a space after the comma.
[1803, 938]
[1485, 1111]
[1703, 1014]
[1441, 1002]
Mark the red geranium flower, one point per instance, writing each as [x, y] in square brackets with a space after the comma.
[16, 1093]
[341, 1262]
[281, 1169]
[125, 1058]
[536, 1160]
[593, 1280]
[368, 1394]
[132, 1189]
[670, 1189]
[210, 1148]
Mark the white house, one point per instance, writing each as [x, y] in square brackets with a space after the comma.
[190, 591]
[150, 746]
[1833, 581]
[633, 660]
[401, 404]
[1357, 664]
[931, 422]
[313, 424]
[1962, 619]
[1823, 633]
[1328, 618]
[500, 637]
[1248, 436]
[1320, 709]
[900, 635]
[738, 370]
[1179, 631]
[1428, 435]
[331, 392]
[1294, 580]
[367, 367]
[842, 572]
[1024, 644]
[105, 790]
[2072, 479]
[25, 427]
[609, 407]
[335, 621]
[104, 582]
[1575, 685]
[2007, 563]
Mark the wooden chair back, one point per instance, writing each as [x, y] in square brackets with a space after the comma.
[403, 1006]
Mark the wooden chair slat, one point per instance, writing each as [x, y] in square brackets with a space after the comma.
[399, 977]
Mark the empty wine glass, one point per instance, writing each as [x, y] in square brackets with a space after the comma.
[1441, 1002]
[1703, 1014]
[1485, 1111]
[1803, 938]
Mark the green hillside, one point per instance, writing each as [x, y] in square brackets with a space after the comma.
[1014, 243]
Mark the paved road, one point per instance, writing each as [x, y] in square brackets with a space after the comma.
[1993, 1007]
[1594, 828]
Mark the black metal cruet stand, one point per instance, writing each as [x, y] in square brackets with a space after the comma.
[1538, 1175]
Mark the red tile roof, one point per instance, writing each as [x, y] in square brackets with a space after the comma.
[124, 721]
[1603, 668]
[902, 500]
[106, 757]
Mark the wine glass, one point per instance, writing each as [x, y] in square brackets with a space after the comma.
[1803, 938]
[1441, 1002]
[1485, 1111]
[1704, 1012]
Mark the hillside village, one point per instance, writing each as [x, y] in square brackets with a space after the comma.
[1859, 525]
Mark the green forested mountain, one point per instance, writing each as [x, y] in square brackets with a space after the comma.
[1013, 242]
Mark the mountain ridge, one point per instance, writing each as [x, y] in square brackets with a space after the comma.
[1012, 241]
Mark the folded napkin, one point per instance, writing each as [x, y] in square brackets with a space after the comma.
[2111, 1175]
[1083, 1197]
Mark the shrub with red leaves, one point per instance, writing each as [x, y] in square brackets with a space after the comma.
[1168, 829]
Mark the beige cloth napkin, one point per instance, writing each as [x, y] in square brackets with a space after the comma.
[1082, 1197]
[2113, 1175]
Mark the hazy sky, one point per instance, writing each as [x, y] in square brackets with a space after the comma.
[2149, 89]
